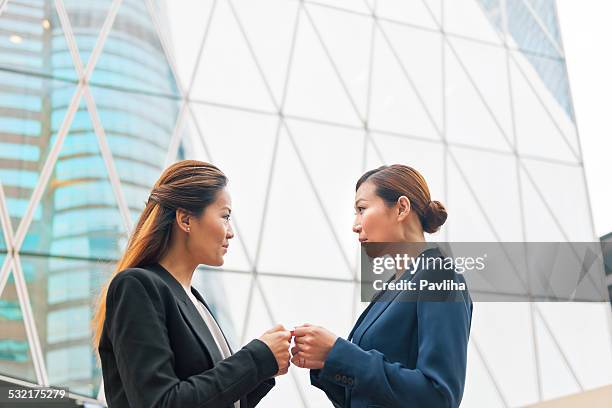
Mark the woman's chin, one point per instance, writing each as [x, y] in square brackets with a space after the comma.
[214, 262]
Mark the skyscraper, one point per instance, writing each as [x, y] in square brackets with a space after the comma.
[76, 229]
[293, 100]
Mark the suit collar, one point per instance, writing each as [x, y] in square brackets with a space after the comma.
[376, 308]
[189, 311]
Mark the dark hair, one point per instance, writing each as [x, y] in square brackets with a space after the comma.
[190, 185]
[398, 180]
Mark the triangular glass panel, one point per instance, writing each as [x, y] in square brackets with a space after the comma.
[557, 379]
[500, 196]
[133, 57]
[191, 145]
[15, 357]
[499, 327]
[426, 157]
[188, 25]
[411, 12]
[570, 206]
[373, 155]
[394, 104]
[77, 213]
[552, 87]
[292, 202]
[540, 225]
[257, 316]
[577, 328]
[478, 114]
[350, 48]
[33, 109]
[480, 388]
[466, 221]
[546, 11]
[86, 19]
[269, 26]
[336, 184]
[543, 128]
[490, 80]
[229, 78]
[470, 19]
[61, 292]
[528, 31]
[421, 54]
[314, 89]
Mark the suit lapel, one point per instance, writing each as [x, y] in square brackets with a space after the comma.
[358, 323]
[201, 299]
[376, 308]
[190, 313]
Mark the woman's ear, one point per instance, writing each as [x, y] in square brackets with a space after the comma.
[403, 204]
[182, 219]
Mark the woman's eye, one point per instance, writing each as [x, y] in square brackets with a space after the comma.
[227, 217]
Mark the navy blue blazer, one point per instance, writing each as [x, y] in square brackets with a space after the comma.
[403, 352]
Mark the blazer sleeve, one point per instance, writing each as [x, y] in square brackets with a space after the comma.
[334, 392]
[436, 381]
[135, 324]
[258, 393]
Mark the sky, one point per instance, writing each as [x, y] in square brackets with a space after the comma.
[586, 31]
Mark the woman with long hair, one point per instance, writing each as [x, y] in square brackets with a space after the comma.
[406, 349]
[159, 344]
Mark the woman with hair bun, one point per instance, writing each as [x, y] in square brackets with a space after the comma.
[405, 350]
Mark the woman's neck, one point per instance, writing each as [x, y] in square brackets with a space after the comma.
[179, 268]
[414, 248]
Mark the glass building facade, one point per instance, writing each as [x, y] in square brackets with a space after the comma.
[294, 101]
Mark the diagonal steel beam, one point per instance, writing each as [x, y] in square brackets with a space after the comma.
[47, 169]
[107, 156]
[104, 31]
[164, 41]
[30, 324]
[69, 35]
[7, 232]
[175, 139]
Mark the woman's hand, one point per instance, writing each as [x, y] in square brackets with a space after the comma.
[278, 341]
[312, 344]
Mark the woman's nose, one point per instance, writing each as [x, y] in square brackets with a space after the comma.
[356, 228]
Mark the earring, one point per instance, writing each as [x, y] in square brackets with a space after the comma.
[188, 229]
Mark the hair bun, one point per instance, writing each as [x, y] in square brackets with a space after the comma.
[434, 216]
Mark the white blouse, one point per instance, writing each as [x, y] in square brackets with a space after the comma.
[214, 328]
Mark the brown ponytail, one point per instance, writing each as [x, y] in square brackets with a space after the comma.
[398, 180]
[188, 184]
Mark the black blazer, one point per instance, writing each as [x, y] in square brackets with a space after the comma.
[156, 350]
